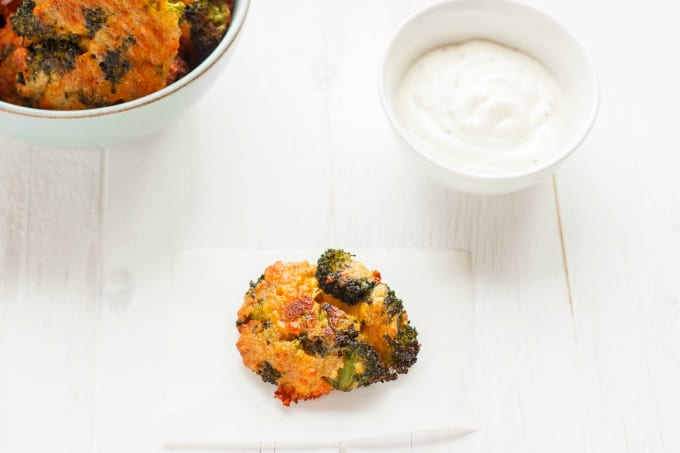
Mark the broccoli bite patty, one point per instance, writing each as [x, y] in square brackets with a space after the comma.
[308, 342]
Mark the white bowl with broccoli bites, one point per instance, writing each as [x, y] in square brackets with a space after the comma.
[70, 109]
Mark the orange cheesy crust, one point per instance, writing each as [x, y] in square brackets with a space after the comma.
[281, 306]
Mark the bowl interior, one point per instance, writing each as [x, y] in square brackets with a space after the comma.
[509, 24]
[239, 13]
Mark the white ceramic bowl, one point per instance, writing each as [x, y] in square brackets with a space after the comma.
[123, 122]
[510, 24]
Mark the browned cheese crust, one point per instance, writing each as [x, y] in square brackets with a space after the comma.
[287, 296]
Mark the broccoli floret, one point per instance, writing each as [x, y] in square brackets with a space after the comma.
[344, 278]
[268, 373]
[53, 56]
[252, 285]
[50, 51]
[95, 19]
[404, 349]
[393, 304]
[25, 24]
[362, 366]
[115, 63]
[346, 337]
[313, 346]
[208, 21]
[114, 66]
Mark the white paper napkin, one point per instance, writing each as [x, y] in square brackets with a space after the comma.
[213, 401]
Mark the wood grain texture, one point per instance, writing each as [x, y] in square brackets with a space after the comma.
[140, 217]
[50, 255]
[257, 186]
[620, 203]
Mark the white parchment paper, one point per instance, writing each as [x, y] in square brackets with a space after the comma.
[213, 401]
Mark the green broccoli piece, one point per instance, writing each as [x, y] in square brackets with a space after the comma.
[344, 278]
[362, 366]
[25, 24]
[51, 51]
[95, 19]
[115, 63]
[208, 21]
[252, 285]
[52, 56]
[313, 346]
[393, 304]
[268, 373]
[114, 66]
[404, 348]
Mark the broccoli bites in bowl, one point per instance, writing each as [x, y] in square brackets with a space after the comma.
[309, 337]
[75, 55]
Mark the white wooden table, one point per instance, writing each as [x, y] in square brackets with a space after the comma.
[577, 280]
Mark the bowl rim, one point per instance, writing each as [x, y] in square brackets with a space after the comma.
[566, 150]
[241, 8]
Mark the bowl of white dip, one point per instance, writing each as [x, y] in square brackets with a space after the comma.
[487, 96]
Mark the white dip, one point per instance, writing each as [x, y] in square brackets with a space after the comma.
[482, 107]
